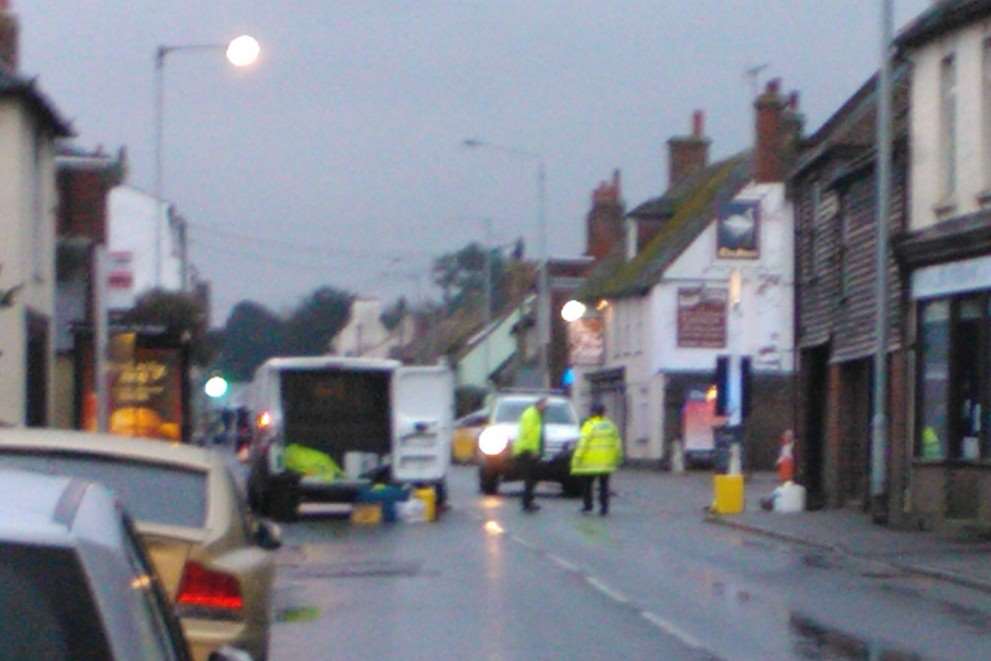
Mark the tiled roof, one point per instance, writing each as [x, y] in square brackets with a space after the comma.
[689, 209]
[14, 85]
[942, 17]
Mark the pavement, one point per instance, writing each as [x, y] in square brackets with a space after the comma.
[852, 533]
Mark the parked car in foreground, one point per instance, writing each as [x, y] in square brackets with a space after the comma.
[213, 557]
[495, 443]
[74, 580]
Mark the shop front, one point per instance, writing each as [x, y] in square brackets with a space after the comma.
[950, 446]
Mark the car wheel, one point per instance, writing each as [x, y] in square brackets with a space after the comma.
[488, 482]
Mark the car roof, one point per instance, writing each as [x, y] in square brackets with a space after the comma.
[520, 397]
[149, 450]
[330, 362]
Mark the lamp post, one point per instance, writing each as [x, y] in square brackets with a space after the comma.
[240, 52]
[879, 424]
[543, 301]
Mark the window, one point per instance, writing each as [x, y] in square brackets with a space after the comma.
[155, 493]
[38, 216]
[843, 223]
[813, 227]
[948, 124]
[954, 379]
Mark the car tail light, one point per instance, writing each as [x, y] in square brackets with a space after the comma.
[205, 588]
[264, 420]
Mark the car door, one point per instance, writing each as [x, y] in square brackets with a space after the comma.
[422, 421]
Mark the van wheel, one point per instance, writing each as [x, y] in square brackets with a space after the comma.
[488, 483]
[281, 503]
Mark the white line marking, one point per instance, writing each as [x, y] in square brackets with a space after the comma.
[523, 542]
[562, 563]
[606, 590]
[672, 630]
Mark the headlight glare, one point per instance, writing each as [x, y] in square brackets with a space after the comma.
[493, 441]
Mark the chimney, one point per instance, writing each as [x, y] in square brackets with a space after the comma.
[604, 223]
[688, 154]
[9, 36]
[775, 132]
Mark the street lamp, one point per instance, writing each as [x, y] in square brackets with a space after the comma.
[240, 52]
[573, 311]
[543, 304]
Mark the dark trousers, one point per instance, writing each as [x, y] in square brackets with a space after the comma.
[528, 471]
[603, 492]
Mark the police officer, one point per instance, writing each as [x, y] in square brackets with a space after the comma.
[529, 448]
[599, 452]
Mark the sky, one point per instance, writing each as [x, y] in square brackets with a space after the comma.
[338, 159]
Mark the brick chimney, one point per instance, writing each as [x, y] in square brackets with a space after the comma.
[778, 125]
[9, 37]
[604, 223]
[688, 154]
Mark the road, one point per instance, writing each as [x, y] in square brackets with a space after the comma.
[652, 580]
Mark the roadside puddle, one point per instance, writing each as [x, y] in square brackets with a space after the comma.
[814, 640]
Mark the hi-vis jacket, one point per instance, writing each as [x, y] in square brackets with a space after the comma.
[531, 429]
[600, 449]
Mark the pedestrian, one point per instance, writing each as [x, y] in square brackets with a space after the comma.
[599, 452]
[529, 448]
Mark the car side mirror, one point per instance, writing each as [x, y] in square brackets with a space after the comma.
[268, 535]
[228, 653]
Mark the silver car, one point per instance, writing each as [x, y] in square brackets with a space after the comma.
[74, 581]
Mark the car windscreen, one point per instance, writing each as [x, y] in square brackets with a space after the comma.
[46, 608]
[556, 413]
[152, 493]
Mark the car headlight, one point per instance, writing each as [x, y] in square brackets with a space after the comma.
[493, 441]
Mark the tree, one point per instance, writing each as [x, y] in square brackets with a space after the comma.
[461, 277]
[252, 335]
[179, 313]
[315, 321]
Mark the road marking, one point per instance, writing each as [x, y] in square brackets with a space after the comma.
[522, 542]
[606, 590]
[672, 630]
[562, 563]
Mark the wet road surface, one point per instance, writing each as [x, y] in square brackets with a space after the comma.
[650, 581]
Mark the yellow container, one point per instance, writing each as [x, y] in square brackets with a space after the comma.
[727, 494]
[429, 498]
[366, 514]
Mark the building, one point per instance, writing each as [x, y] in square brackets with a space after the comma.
[29, 128]
[83, 181]
[664, 300]
[834, 190]
[945, 255]
[365, 335]
[146, 245]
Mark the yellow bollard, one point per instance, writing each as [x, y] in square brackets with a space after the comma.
[429, 498]
[727, 494]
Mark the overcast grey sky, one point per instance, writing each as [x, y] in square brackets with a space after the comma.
[336, 159]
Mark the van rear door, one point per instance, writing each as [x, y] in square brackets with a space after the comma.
[422, 422]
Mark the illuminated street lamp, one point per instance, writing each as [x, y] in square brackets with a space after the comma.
[242, 51]
[573, 311]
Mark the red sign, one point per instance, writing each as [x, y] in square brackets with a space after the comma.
[702, 318]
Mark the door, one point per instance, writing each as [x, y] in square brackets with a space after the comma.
[36, 384]
[422, 423]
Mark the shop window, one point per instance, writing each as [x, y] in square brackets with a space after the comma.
[968, 381]
[948, 124]
[934, 336]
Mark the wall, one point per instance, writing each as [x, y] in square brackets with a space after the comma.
[766, 296]
[24, 261]
[973, 164]
[501, 343]
[132, 229]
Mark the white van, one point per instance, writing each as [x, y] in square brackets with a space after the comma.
[378, 419]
